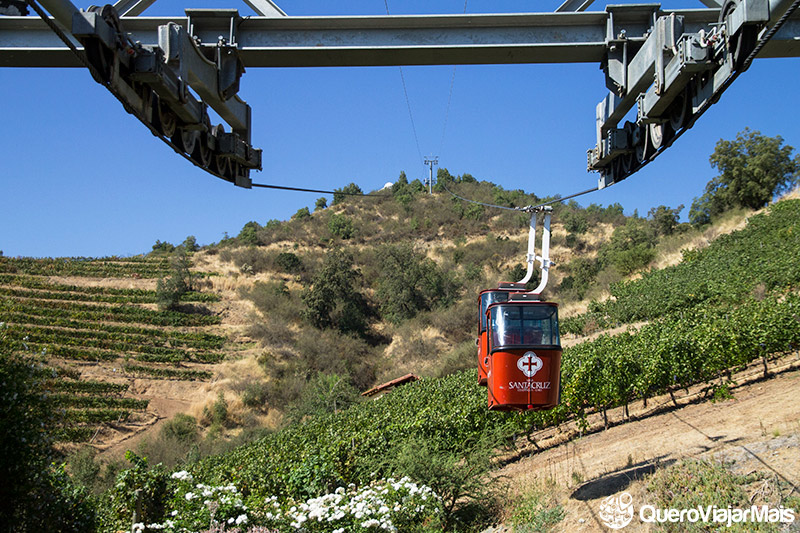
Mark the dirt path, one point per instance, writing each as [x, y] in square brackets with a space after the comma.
[757, 430]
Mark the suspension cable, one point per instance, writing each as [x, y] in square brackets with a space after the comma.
[527, 208]
[449, 97]
[408, 102]
[300, 189]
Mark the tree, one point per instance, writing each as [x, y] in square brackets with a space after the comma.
[340, 194]
[35, 495]
[190, 244]
[302, 213]
[163, 247]
[325, 393]
[334, 301]
[630, 247]
[249, 233]
[753, 170]
[322, 203]
[341, 226]
[410, 283]
[663, 219]
[170, 289]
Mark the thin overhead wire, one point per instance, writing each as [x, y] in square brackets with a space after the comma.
[527, 208]
[449, 97]
[300, 189]
[408, 102]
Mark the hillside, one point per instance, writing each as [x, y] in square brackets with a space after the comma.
[288, 321]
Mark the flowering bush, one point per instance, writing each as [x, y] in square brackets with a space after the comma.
[385, 505]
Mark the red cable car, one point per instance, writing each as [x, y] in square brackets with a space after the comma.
[487, 298]
[524, 354]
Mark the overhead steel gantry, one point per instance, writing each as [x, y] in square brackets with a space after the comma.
[669, 64]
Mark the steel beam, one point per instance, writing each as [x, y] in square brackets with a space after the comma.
[395, 40]
[375, 41]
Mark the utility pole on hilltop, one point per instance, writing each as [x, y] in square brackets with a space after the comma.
[430, 161]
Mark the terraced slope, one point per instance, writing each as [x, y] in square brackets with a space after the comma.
[81, 315]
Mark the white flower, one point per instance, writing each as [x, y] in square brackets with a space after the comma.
[182, 475]
[174, 513]
[189, 496]
[241, 519]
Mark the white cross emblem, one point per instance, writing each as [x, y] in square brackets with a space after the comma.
[530, 364]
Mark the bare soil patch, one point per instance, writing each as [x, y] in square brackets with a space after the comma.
[757, 430]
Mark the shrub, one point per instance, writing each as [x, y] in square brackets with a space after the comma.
[341, 226]
[326, 393]
[289, 263]
[334, 301]
[249, 234]
[140, 492]
[322, 203]
[536, 511]
[163, 247]
[301, 214]
[181, 428]
[339, 195]
[36, 495]
[410, 283]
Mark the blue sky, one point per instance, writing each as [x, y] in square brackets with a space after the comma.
[80, 177]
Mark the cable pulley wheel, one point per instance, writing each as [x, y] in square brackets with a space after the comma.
[679, 111]
[202, 153]
[657, 133]
[163, 118]
[186, 140]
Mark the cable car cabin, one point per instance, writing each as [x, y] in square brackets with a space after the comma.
[487, 298]
[524, 354]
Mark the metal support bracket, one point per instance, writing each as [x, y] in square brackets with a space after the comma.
[531, 256]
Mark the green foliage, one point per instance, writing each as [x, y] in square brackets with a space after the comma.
[753, 169]
[190, 244]
[332, 450]
[249, 234]
[410, 282]
[457, 477]
[289, 263]
[341, 226]
[630, 248]
[582, 274]
[109, 267]
[322, 203]
[181, 428]
[217, 414]
[536, 511]
[730, 269]
[37, 495]
[170, 290]
[692, 484]
[334, 299]
[339, 195]
[326, 393]
[163, 247]
[664, 220]
[301, 214]
[138, 495]
[575, 222]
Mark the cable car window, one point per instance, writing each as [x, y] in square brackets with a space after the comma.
[487, 299]
[523, 325]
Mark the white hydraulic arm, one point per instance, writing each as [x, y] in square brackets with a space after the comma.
[531, 257]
